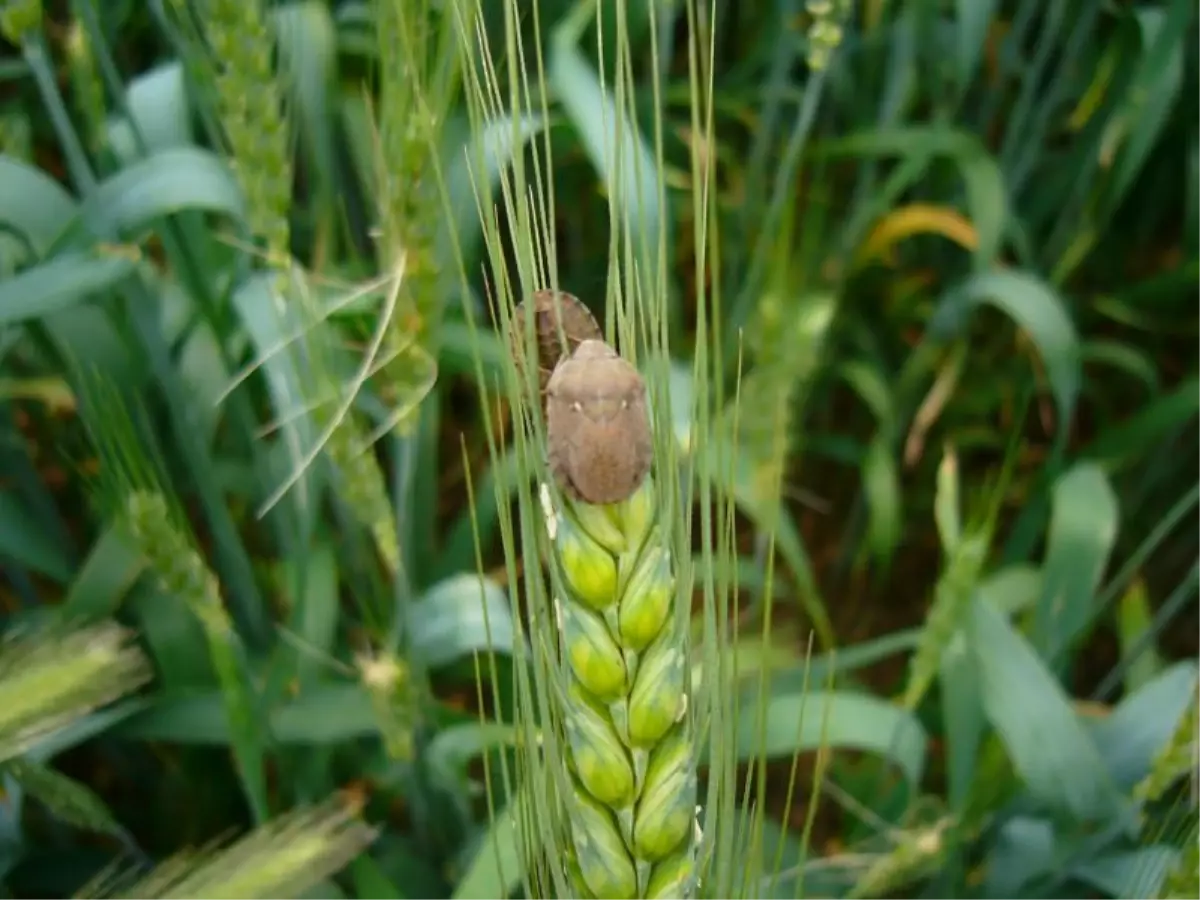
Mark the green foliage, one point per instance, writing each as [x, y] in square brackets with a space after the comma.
[912, 287]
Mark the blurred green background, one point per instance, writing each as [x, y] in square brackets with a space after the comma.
[955, 246]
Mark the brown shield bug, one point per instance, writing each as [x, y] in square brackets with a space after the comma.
[598, 425]
[551, 309]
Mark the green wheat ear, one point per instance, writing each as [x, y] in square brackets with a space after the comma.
[624, 709]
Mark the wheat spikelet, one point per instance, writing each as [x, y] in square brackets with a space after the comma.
[621, 696]
[624, 705]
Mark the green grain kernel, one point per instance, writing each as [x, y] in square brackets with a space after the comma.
[673, 876]
[599, 524]
[595, 657]
[657, 695]
[647, 599]
[590, 570]
[665, 814]
[604, 863]
[601, 760]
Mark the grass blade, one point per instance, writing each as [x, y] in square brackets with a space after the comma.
[1049, 747]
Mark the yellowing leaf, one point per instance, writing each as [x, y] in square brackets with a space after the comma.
[916, 218]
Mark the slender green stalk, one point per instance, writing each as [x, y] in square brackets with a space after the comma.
[183, 572]
[250, 107]
[86, 82]
[412, 112]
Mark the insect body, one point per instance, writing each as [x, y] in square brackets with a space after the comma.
[557, 316]
[597, 425]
